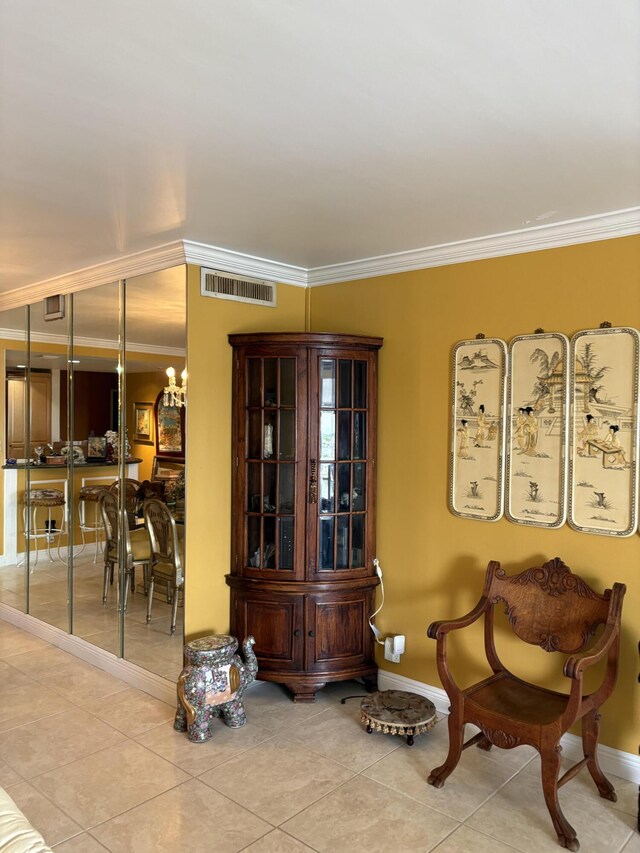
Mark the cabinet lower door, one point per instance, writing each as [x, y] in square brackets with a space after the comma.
[276, 622]
[338, 634]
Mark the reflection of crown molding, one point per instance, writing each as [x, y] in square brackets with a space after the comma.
[131, 347]
[125, 266]
[617, 223]
[605, 226]
[239, 264]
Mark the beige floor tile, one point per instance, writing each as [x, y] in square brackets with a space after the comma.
[465, 840]
[8, 776]
[633, 844]
[50, 821]
[277, 842]
[362, 815]
[27, 643]
[277, 779]
[207, 821]
[54, 741]
[11, 677]
[83, 843]
[477, 776]
[30, 702]
[44, 662]
[197, 758]
[342, 738]
[517, 815]
[131, 711]
[100, 786]
[271, 706]
[80, 682]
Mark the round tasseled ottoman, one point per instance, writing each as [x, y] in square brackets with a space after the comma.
[397, 712]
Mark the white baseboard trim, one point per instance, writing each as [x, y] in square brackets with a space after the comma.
[134, 675]
[626, 765]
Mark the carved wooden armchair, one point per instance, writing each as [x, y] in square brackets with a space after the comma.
[550, 607]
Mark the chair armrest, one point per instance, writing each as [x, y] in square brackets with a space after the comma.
[574, 666]
[438, 629]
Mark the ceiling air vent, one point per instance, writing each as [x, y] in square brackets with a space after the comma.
[222, 285]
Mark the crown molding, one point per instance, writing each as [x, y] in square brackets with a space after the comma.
[239, 264]
[605, 226]
[617, 223]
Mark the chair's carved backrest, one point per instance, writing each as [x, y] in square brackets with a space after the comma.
[111, 520]
[549, 606]
[163, 536]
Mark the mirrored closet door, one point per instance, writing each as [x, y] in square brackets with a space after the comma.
[86, 413]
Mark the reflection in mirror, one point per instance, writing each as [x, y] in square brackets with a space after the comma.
[67, 392]
[44, 505]
[13, 567]
[156, 338]
[92, 398]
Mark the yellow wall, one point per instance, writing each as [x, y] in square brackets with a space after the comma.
[208, 498]
[433, 562]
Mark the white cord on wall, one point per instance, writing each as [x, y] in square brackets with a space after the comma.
[377, 633]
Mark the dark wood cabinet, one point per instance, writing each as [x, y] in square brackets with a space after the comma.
[303, 509]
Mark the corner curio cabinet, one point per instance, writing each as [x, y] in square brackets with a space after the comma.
[303, 511]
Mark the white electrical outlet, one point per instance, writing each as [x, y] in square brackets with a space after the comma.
[389, 653]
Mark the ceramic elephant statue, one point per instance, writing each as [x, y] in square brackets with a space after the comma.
[212, 683]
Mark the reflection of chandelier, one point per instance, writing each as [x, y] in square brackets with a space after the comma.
[174, 395]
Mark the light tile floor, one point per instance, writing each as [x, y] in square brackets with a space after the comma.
[96, 765]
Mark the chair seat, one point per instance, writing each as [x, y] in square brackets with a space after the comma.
[517, 701]
[45, 497]
[140, 547]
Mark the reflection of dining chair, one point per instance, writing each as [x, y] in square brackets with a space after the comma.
[167, 554]
[130, 498]
[136, 547]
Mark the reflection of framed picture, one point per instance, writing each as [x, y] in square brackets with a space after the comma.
[143, 423]
[96, 447]
[169, 429]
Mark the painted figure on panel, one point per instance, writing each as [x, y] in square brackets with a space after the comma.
[589, 432]
[530, 430]
[463, 436]
[481, 428]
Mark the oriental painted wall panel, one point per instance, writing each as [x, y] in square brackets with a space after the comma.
[477, 446]
[603, 472]
[537, 412]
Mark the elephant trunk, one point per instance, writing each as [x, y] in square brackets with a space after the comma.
[251, 662]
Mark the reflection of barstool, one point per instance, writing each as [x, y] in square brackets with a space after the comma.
[90, 495]
[47, 498]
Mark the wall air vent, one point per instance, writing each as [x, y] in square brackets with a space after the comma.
[223, 285]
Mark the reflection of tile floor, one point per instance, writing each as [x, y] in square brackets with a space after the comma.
[96, 765]
[149, 646]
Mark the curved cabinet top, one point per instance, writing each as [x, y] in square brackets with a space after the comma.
[310, 339]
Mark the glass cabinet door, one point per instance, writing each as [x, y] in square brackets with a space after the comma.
[274, 420]
[343, 448]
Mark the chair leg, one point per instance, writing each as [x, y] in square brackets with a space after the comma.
[127, 584]
[107, 571]
[550, 759]
[150, 597]
[438, 775]
[174, 610]
[590, 735]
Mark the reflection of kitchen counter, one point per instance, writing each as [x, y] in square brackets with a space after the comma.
[32, 466]
[51, 476]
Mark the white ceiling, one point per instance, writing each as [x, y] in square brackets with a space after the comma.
[309, 132]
